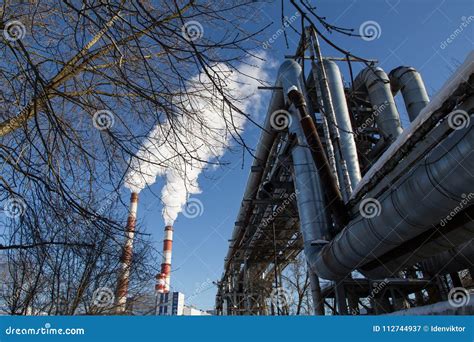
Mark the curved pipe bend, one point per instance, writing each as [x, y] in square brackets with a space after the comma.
[409, 82]
[376, 84]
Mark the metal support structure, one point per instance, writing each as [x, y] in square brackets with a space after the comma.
[297, 177]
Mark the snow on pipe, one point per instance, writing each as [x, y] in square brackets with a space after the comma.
[126, 257]
[463, 73]
[164, 277]
[348, 146]
[375, 82]
[422, 198]
[409, 81]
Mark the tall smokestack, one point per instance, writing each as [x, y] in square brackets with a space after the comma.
[163, 285]
[126, 258]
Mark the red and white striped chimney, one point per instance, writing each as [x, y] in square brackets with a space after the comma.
[126, 258]
[163, 285]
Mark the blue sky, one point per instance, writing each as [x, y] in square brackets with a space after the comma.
[412, 33]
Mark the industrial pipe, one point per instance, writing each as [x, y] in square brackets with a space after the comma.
[334, 197]
[409, 81]
[126, 257]
[425, 246]
[453, 260]
[343, 121]
[418, 200]
[309, 194]
[376, 84]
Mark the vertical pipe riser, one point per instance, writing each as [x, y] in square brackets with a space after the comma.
[343, 121]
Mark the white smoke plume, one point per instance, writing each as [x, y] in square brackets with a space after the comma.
[179, 151]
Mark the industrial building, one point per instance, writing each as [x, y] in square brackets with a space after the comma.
[171, 304]
[382, 213]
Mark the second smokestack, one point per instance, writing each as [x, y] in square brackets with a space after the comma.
[163, 285]
[126, 258]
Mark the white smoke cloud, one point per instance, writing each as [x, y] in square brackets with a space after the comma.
[180, 151]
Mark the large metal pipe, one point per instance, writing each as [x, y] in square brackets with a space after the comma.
[309, 194]
[453, 260]
[126, 257]
[343, 121]
[425, 246]
[418, 200]
[302, 123]
[164, 277]
[316, 150]
[375, 82]
[409, 81]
